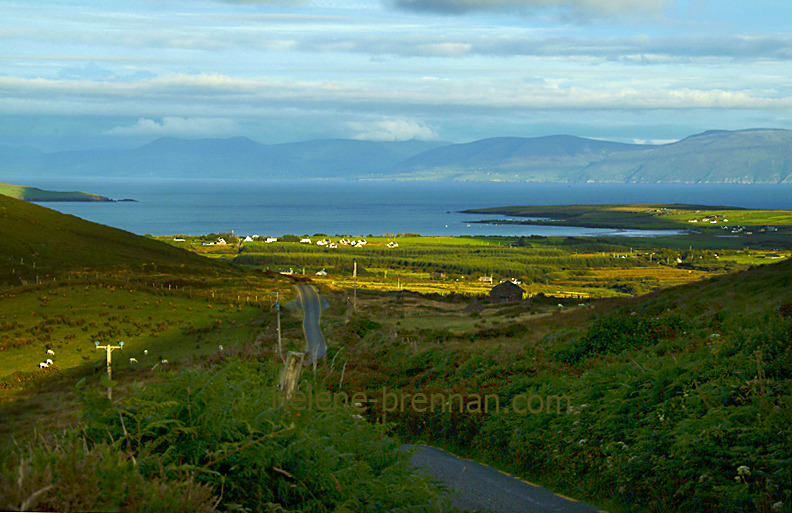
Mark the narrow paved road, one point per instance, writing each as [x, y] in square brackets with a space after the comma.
[483, 488]
[312, 305]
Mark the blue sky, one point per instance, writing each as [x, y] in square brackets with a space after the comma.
[81, 74]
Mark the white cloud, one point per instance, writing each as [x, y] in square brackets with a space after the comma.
[655, 142]
[201, 104]
[392, 129]
[585, 8]
[174, 126]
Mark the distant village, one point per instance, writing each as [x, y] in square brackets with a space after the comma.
[722, 219]
[224, 238]
[735, 228]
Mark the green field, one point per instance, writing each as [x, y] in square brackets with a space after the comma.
[561, 266]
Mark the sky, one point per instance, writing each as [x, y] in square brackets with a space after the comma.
[106, 73]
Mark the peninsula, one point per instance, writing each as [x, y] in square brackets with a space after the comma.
[34, 194]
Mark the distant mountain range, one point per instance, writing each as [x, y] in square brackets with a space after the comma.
[742, 156]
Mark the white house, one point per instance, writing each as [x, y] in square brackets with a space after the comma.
[305, 241]
[271, 239]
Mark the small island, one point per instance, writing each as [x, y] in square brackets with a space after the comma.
[39, 195]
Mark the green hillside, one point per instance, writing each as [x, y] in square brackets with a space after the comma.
[679, 400]
[38, 242]
[33, 194]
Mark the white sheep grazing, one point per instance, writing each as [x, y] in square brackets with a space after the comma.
[145, 352]
[133, 360]
[49, 362]
[220, 347]
[43, 365]
[164, 361]
[50, 352]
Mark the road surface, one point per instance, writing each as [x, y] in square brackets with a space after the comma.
[312, 305]
[483, 488]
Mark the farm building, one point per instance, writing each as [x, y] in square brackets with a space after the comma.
[506, 292]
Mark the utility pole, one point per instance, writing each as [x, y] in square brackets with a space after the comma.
[277, 309]
[109, 364]
[354, 293]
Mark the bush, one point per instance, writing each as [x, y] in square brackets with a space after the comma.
[222, 428]
[64, 474]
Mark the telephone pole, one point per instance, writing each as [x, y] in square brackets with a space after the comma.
[277, 309]
[109, 349]
[354, 293]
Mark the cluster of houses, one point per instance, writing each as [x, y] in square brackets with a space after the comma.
[343, 242]
[735, 229]
[748, 230]
[711, 219]
[221, 241]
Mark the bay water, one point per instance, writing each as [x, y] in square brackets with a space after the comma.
[360, 208]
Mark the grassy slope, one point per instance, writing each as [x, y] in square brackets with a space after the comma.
[100, 283]
[672, 391]
[34, 194]
[40, 242]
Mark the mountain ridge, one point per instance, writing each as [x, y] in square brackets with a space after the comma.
[756, 155]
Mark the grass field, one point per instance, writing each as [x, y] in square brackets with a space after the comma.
[560, 266]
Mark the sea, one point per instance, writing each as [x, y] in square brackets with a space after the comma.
[361, 208]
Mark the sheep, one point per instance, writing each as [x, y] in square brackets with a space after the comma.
[220, 347]
[43, 365]
[50, 352]
[49, 362]
[133, 360]
[145, 352]
[164, 361]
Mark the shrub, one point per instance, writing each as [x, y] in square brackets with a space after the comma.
[222, 428]
[64, 474]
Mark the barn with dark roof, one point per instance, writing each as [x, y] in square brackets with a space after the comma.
[506, 292]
